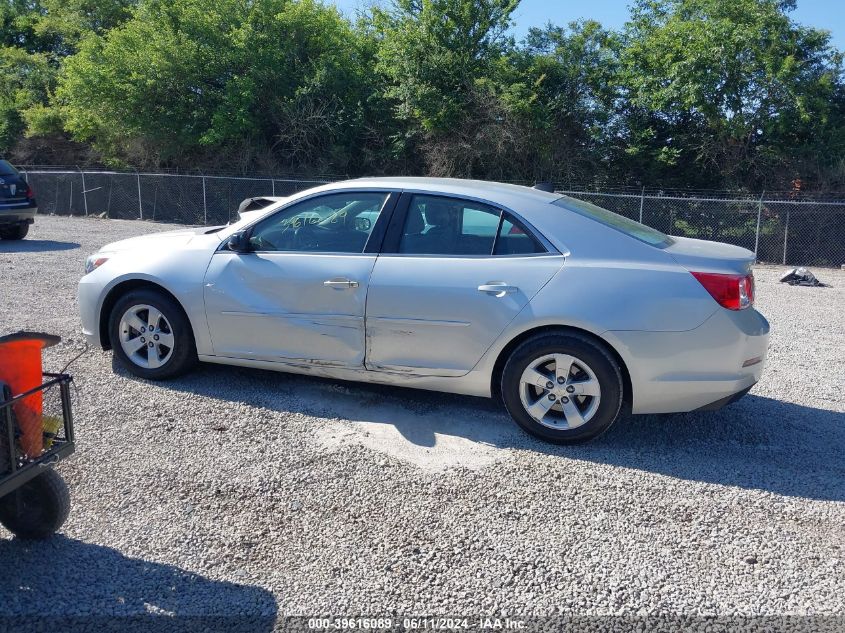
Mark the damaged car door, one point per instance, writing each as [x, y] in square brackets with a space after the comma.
[293, 286]
[452, 274]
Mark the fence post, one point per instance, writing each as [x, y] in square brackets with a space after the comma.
[140, 205]
[785, 234]
[204, 205]
[84, 192]
[274, 186]
[757, 232]
[642, 199]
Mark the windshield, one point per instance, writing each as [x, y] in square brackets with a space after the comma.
[614, 220]
[6, 169]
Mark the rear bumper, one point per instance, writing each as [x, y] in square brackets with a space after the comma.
[723, 402]
[17, 213]
[703, 368]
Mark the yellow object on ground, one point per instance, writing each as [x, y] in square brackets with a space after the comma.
[52, 424]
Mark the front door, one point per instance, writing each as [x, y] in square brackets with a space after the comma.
[300, 293]
[459, 274]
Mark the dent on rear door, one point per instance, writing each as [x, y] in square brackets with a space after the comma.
[427, 316]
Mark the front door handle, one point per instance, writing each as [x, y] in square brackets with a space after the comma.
[340, 282]
[497, 288]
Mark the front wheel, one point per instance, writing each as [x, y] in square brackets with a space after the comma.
[38, 508]
[151, 335]
[562, 388]
[15, 232]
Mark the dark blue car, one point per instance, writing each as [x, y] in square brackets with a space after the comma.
[17, 203]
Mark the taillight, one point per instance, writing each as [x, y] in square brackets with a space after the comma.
[734, 292]
[30, 194]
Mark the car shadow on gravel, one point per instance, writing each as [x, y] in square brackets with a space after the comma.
[63, 584]
[417, 414]
[756, 443]
[35, 246]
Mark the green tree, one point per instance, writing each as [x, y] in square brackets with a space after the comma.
[435, 57]
[24, 81]
[565, 87]
[55, 27]
[65, 23]
[185, 77]
[18, 20]
[35, 36]
[720, 91]
[692, 93]
[544, 110]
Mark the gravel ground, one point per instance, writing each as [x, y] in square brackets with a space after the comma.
[242, 492]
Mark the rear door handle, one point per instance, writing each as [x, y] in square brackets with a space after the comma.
[340, 282]
[497, 288]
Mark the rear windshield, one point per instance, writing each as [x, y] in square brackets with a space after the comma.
[614, 220]
[6, 169]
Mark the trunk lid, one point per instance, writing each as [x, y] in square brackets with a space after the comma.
[706, 256]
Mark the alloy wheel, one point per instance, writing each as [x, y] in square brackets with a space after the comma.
[146, 336]
[560, 391]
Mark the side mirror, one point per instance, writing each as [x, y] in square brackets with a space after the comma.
[238, 242]
[363, 224]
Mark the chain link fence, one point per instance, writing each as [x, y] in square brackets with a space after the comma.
[797, 232]
[177, 198]
[784, 231]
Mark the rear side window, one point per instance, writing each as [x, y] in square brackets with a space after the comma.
[614, 220]
[514, 239]
[436, 225]
[6, 169]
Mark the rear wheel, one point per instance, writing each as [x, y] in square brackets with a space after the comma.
[14, 232]
[38, 508]
[563, 388]
[151, 335]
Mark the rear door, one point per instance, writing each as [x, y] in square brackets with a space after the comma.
[452, 274]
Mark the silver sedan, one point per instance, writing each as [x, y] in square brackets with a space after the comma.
[568, 313]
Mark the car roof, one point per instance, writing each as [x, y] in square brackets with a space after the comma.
[557, 223]
[502, 193]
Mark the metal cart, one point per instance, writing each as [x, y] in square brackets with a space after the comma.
[34, 499]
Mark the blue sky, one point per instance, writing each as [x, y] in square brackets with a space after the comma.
[827, 14]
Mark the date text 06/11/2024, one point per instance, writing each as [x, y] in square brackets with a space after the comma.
[422, 623]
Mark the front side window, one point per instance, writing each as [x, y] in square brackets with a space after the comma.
[447, 226]
[335, 223]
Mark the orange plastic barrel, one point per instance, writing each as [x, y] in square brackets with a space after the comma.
[20, 368]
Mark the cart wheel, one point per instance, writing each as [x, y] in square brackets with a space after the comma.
[38, 508]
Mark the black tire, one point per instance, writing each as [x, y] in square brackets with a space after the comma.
[603, 365]
[15, 232]
[37, 509]
[184, 354]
